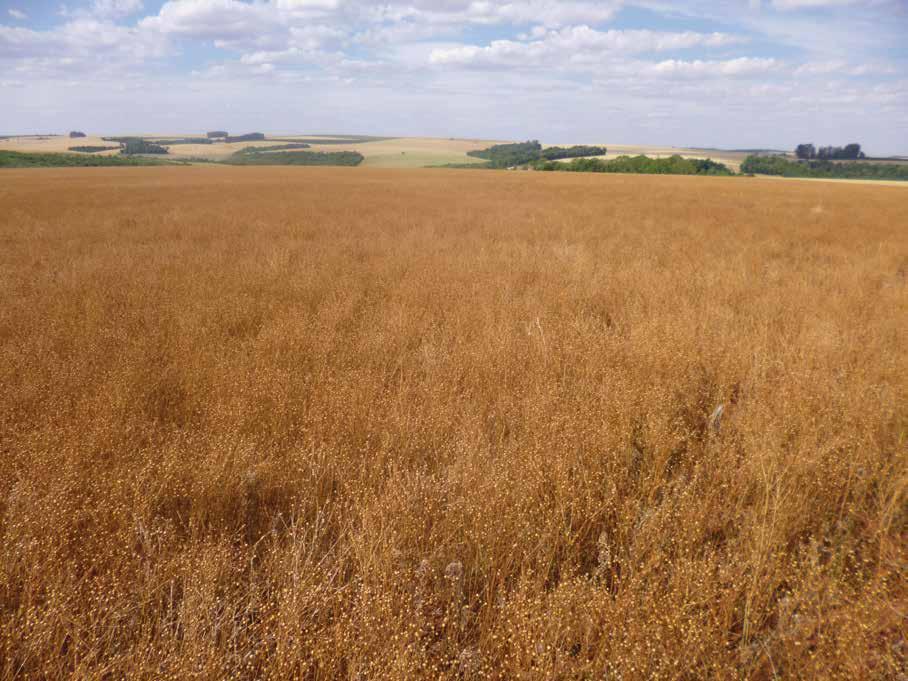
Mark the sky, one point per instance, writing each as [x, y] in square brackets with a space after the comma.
[707, 73]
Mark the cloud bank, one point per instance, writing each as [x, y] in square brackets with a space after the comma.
[738, 73]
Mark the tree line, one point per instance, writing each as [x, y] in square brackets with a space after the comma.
[776, 165]
[251, 137]
[18, 159]
[297, 158]
[92, 149]
[808, 152]
[275, 147]
[523, 153]
[136, 145]
[674, 165]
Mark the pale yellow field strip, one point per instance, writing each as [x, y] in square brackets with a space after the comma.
[54, 145]
[881, 183]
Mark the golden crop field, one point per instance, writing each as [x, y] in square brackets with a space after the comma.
[309, 423]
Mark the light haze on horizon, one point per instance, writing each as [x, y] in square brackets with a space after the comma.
[734, 74]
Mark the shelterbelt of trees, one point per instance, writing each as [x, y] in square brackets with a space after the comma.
[674, 165]
[776, 165]
[92, 149]
[522, 153]
[297, 158]
[848, 152]
[276, 147]
[17, 159]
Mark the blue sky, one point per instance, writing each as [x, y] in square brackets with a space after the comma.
[735, 73]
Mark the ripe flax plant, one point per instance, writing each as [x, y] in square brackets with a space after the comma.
[304, 423]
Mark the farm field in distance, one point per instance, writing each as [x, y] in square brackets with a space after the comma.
[732, 159]
[335, 423]
[395, 152]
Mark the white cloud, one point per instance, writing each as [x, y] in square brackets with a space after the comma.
[550, 13]
[812, 4]
[82, 44]
[115, 9]
[742, 66]
[410, 66]
[577, 45]
[306, 5]
[840, 67]
[17, 14]
[542, 12]
[211, 18]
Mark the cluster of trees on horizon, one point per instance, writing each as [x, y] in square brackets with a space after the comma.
[824, 169]
[185, 140]
[92, 149]
[251, 137]
[18, 159]
[276, 147]
[523, 153]
[850, 152]
[296, 158]
[673, 165]
[140, 146]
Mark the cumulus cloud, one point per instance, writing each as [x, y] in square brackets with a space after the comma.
[115, 9]
[82, 44]
[742, 66]
[810, 4]
[413, 58]
[550, 13]
[576, 45]
[840, 67]
[221, 19]
[17, 14]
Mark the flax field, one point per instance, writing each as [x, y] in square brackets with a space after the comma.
[355, 424]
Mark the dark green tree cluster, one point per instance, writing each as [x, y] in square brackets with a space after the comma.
[16, 159]
[185, 140]
[346, 139]
[251, 137]
[776, 165]
[523, 153]
[807, 152]
[674, 165]
[75, 133]
[139, 146]
[276, 147]
[159, 142]
[507, 155]
[577, 151]
[92, 150]
[297, 158]
[216, 134]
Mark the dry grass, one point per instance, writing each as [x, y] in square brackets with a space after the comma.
[264, 423]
